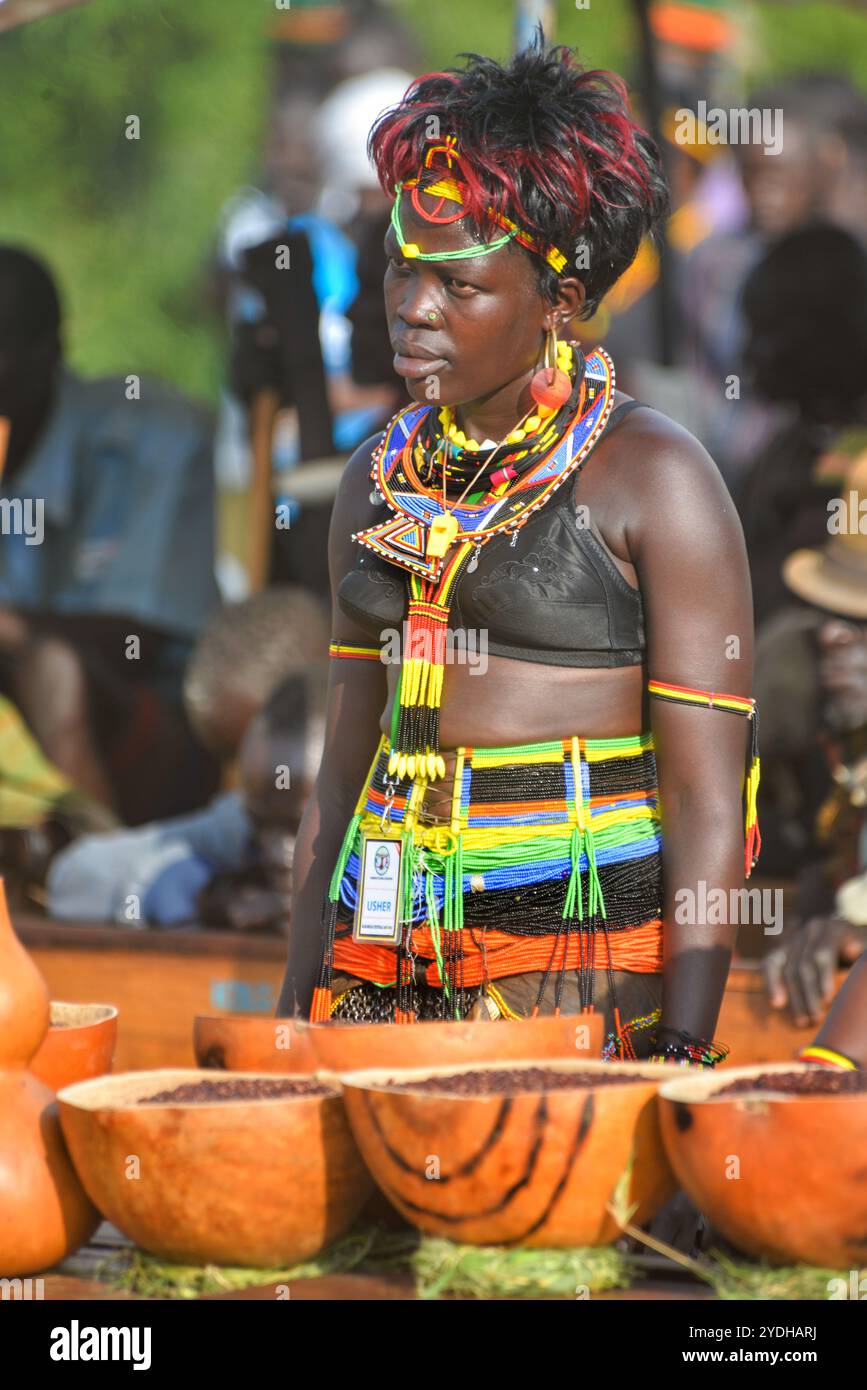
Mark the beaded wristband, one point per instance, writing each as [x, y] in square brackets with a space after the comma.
[827, 1057]
[689, 1051]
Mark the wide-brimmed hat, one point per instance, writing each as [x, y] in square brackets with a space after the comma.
[834, 577]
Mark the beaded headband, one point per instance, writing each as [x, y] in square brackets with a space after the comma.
[444, 186]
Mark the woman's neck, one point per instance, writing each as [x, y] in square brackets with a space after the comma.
[493, 416]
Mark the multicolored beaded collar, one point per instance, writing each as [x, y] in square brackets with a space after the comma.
[433, 574]
[403, 540]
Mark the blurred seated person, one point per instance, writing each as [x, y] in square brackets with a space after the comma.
[820, 663]
[806, 311]
[245, 651]
[248, 654]
[106, 561]
[229, 865]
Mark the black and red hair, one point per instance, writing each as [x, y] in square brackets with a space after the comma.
[544, 142]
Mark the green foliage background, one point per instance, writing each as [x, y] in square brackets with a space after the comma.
[128, 225]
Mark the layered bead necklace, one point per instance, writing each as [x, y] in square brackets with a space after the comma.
[423, 453]
[447, 456]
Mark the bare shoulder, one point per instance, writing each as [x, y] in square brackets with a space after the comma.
[353, 509]
[650, 446]
[665, 478]
[355, 481]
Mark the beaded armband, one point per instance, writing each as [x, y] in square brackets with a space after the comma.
[347, 652]
[732, 704]
[827, 1057]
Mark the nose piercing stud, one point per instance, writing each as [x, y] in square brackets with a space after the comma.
[432, 313]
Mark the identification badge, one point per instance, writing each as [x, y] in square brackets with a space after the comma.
[378, 890]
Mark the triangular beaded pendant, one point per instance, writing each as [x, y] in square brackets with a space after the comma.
[402, 541]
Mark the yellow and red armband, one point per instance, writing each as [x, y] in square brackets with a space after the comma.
[346, 651]
[734, 704]
[827, 1057]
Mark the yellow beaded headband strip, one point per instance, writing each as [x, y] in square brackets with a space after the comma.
[447, 187]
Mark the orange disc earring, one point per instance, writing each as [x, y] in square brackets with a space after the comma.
[550, 386]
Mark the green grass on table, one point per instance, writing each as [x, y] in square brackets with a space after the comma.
[743, 1280]
[441, 1268]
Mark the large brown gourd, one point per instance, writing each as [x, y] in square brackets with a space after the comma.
[44, 1212]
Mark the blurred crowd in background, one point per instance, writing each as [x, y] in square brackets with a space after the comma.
[162, 658]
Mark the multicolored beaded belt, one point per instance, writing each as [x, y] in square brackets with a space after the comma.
[549, 862]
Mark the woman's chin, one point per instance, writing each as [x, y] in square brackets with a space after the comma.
[421, 392]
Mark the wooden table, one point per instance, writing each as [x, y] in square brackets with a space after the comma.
[159, 980]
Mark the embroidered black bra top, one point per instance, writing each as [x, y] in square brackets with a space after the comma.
[556, 597]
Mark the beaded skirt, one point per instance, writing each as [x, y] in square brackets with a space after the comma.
[549, 864]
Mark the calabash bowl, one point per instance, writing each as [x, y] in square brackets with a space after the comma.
[79, 1044]
[343, 1047]
[535, 1167]
[780, 1175]
[259, 1182]
[233, 1042]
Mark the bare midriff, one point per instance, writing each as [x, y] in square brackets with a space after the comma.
[525, 702]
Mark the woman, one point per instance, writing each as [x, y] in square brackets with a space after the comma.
[590, 557]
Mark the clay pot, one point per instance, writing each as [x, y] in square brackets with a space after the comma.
[343, 1047]
[534, 1168]
[798, 1192]
[245, 1043]
[245, 1182]
[79, 1044]
[44, 1213]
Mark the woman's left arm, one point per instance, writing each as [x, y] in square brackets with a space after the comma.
[688, 549]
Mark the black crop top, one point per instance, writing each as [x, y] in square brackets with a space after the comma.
[555, 597]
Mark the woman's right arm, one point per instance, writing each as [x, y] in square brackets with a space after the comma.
[357, 692]
[845, 1028]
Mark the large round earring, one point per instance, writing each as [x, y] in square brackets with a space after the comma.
[550, 386]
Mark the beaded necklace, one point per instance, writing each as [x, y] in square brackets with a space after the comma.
[435, 542]
[448, 456]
